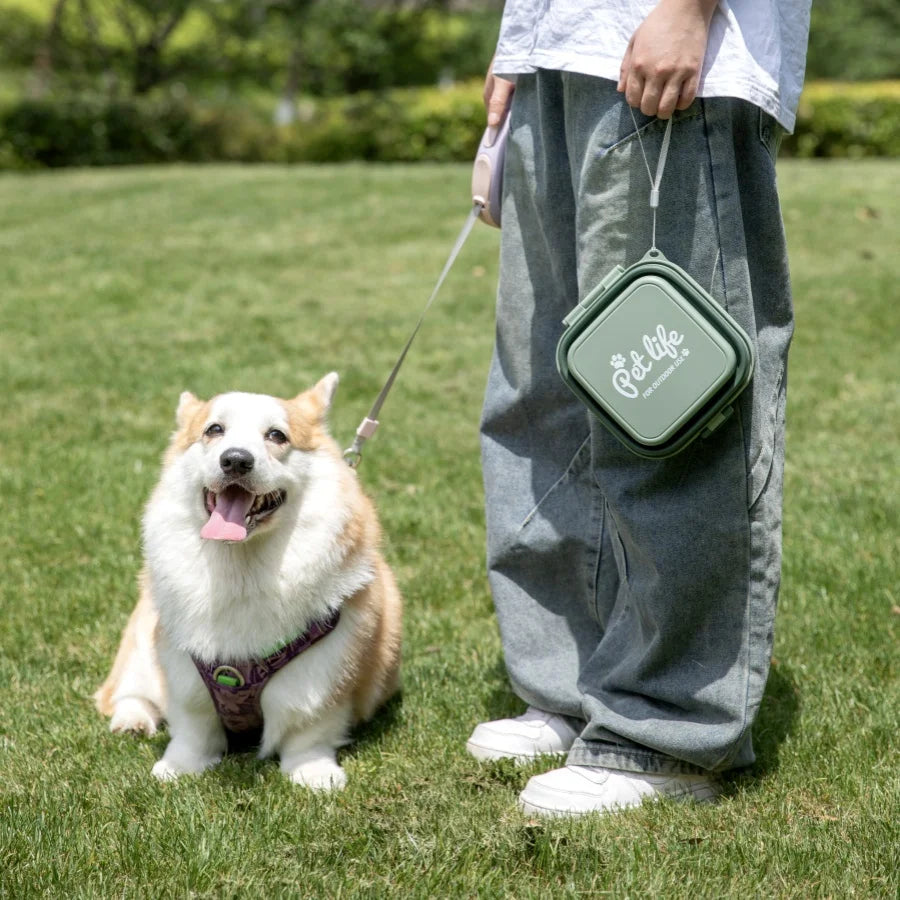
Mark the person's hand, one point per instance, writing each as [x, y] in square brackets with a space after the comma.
[661, 68]
[497, 96]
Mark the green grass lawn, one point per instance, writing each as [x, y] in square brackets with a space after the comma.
[122, 288]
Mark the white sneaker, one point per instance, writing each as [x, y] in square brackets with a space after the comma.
[577, 790]
[523, 738]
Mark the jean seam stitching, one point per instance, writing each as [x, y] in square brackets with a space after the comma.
[754, 497]
[663, 762]
[715, 199]
[601, 530]
[732, 747]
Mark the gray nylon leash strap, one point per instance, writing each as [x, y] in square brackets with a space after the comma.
[353, 454]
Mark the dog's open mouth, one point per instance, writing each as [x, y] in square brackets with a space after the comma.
[234, 512]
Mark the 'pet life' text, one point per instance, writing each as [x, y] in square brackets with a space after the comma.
[661, 345]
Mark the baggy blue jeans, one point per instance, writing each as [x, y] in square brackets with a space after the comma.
[636, 597]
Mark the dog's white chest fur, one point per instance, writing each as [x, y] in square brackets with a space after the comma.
[228, 600]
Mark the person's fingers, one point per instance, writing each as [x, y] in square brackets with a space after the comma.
[669, 99]
[634, 89]
[625, 68]
[650, 98]
[501, 92]
[688, 92]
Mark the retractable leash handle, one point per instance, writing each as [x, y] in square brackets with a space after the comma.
[487, 192]
[487, 173]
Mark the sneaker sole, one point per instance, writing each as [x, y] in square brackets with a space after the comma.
[703, 795]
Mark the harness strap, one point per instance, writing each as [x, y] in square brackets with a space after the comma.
[236, 687]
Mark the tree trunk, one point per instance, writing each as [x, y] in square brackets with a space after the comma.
[148, 66]
[286, 111]
[42, 72]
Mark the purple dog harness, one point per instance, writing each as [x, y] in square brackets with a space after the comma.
[236, 687]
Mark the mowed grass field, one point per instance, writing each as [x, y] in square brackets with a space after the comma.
[121, 288]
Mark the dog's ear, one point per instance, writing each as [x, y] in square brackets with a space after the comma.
[325, 390]
[307, 411]
[188, 405]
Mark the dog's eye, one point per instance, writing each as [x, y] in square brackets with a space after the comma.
[214, 430]
[276, 436]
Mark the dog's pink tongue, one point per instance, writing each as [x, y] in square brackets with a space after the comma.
[226, 522]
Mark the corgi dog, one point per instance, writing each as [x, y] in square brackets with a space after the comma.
[266, 615]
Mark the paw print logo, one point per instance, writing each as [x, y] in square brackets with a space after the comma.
[618, 361]
[685, 352]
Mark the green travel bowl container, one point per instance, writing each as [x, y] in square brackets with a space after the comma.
[654, 357]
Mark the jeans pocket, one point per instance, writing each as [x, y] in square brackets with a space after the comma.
[618, 544]
[770, 134]
[646, 125]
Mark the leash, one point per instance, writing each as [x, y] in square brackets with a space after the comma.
[487, 191]
[487, 183]
[368, 426]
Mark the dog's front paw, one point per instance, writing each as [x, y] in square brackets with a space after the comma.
[168, 769]
[135, 715]
[165, 771]
[320, 775]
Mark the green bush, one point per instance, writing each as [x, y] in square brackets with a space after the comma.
[92, 131]
[408, 125]
[347, 47]
[397, 126]
[838, 120]
[394, 126]
[854, 41]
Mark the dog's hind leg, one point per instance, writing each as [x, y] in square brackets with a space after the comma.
[133, 694]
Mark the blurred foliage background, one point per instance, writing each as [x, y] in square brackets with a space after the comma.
[94, 82]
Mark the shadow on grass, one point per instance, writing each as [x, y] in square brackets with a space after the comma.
[386, 719]
[502, 702]
[775, 723]
[241, 766]
[776, 720]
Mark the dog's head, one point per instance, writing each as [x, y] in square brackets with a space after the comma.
[245, 456]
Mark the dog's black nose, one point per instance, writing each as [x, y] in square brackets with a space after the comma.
[236, 461]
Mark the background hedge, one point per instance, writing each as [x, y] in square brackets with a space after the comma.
[100, 82]
[400, 125]
[847, 119]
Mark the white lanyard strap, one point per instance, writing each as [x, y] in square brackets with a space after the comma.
[660, 166]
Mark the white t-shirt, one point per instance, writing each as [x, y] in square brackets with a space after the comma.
[756, 49]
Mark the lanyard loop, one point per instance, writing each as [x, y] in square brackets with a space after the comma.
[660, 167]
